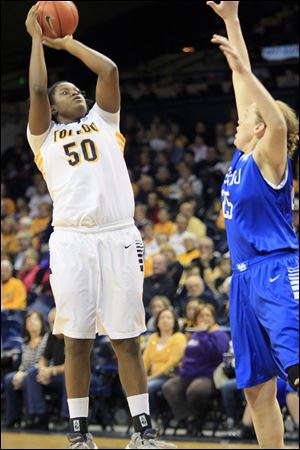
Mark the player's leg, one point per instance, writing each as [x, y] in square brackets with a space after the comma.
[292, 403]
[134, 380]
[72, 257]
[266, 414]
[77, 377]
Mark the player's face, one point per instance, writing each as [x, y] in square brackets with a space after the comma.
[245, 129]
[69, 102]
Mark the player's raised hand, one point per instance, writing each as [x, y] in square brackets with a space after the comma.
[226, 10]
[233, 59]
[57, 43]
[32, 25]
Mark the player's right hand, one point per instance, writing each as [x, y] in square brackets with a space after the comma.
[226, 10]
[32, 25]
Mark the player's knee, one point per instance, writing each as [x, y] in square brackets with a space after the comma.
[264, 393]
[293, 376]
[78, 347]
[126, 346]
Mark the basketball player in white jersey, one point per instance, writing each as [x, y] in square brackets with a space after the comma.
[96, 252]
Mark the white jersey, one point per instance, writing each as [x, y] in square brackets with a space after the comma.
[84, 168]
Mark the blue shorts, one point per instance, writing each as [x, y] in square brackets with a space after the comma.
[264, 317]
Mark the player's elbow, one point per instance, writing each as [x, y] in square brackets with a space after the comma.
[113, 70]
[280, 127]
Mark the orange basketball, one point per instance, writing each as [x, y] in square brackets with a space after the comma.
[57, 19]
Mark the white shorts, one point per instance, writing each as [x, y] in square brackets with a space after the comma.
[97, 282]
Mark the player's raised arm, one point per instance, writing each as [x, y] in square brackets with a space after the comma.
[107, 89]
[39, 110]
[271, 130]
[228, 11]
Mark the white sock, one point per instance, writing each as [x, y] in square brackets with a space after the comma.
[139, 404]
[78, 407]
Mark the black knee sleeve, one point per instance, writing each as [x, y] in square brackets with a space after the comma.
[293, 374]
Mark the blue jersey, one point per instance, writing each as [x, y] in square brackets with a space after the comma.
[258, 216]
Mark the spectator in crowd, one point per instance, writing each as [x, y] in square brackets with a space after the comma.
[146, 185]
[157, 304]
[186, 175]
[188, 393]
[191, 252]
[160, 283]
[41, 196]
[151, 246]
[188, 195]
[180, 139]
[140, 216]
[174, 151]
[9, 202]
[162, 354]
[207, 260]
[48, 375]
[175, 269]
[25, 224]
[34, 276]
[163, 181]
[34, 343]
[195, 225]
[164, 224]
[176, 240]
[8, 235]
[158, 142]
[190, 308]
[199, 148]
[24, 240]
[221, 271]
[153, 206]
[22, 209]
[41, 221]
[13, 291]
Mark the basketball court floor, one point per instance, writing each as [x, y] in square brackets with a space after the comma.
[58, 441]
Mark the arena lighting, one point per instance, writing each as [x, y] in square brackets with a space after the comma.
[188, 49]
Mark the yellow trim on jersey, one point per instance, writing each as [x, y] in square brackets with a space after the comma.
[38, 159]
[121, 141]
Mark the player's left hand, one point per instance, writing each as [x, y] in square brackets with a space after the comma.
[233, 58]
[57, 43]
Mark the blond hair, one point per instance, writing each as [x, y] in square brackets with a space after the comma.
[292, 126]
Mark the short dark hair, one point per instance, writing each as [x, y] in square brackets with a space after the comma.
[176, 322]
[200, 308]
[25, 334]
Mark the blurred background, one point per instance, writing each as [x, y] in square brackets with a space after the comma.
[178, 116]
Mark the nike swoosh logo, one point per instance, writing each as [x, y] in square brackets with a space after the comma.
[50, 26]
[127, 246]
[273, 279]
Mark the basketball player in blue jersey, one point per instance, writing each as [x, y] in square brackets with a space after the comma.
[257, 205]
[96, 252]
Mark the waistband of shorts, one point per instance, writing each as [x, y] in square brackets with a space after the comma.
[245, 265]
[120, 224]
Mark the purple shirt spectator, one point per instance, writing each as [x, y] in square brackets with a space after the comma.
[203, 353]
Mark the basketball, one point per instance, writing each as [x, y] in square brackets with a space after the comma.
[57, 19]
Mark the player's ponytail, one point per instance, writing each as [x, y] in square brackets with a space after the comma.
[292, 126]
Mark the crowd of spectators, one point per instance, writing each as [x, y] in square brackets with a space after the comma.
[176, 178]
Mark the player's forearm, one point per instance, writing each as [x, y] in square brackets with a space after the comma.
[266, 105]
[95, 61]
[38, 78]
[235, 36]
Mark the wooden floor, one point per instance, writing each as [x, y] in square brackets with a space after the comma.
[54, 441]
